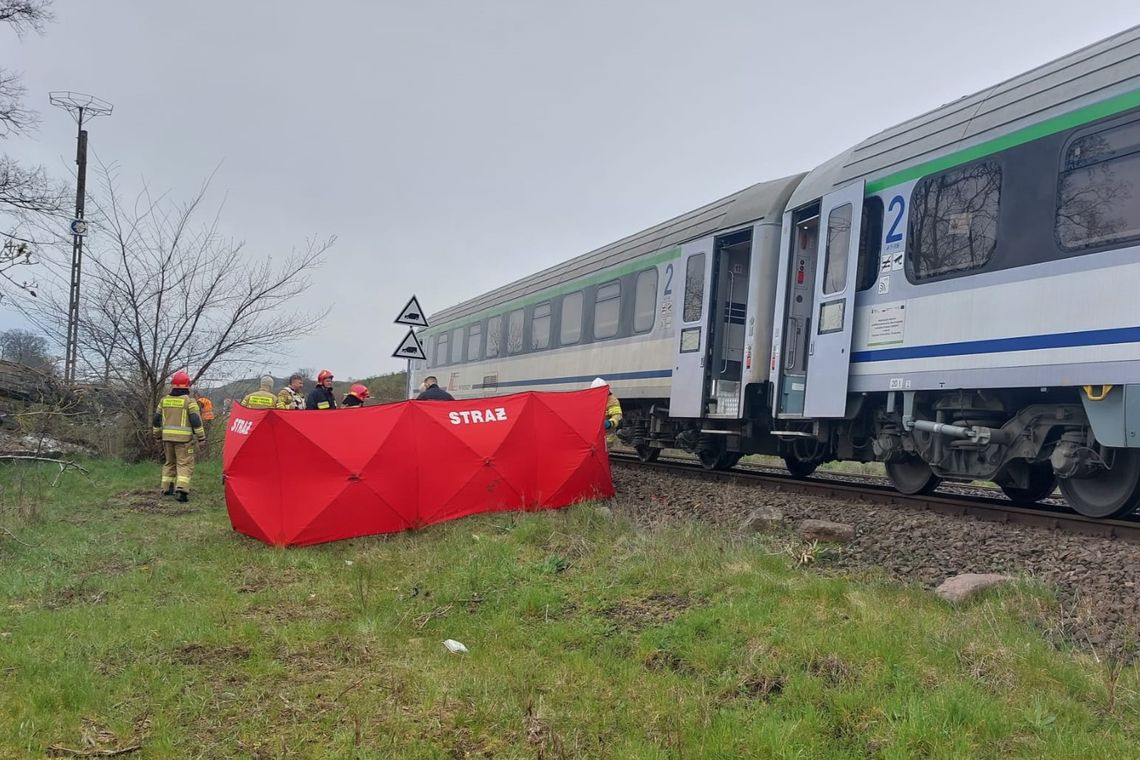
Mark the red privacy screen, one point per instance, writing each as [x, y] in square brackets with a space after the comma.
[306, 477]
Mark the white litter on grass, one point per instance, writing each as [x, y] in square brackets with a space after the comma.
[454, 646]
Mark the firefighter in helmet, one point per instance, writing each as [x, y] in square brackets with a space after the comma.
[356, 396]
[322, 396]
[613, 413]
[178, 421]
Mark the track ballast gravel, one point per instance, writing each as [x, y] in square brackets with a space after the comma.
[1097, 579]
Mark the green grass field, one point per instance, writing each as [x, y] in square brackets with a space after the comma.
[125, 620]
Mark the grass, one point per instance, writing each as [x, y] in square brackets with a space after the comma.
[125, 620]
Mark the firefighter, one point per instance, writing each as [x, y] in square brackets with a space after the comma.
[263, 398]
[613, 413]
[356, 396]
[290, 397]
[207, 407]
[322, 396]
[177, 421]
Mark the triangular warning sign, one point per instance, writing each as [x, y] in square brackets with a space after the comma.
[412, 314]
[410, 348]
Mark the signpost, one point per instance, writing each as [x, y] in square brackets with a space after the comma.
[412, 315]
[410, 347]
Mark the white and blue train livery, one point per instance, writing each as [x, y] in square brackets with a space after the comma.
[954, 297]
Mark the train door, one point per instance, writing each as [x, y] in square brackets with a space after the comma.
[691, 313]
[793, 327]
[728, 313]
[837, 259]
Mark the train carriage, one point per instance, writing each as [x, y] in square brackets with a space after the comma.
[952, 297]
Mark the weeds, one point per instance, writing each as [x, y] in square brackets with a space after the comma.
[586, 638]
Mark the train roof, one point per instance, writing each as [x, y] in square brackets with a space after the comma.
[1099, 72]
[764, 200]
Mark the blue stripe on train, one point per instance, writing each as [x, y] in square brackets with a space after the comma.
[642, 375]
[1082, 338]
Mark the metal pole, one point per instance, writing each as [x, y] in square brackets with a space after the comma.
[83, 107]
[76, 257]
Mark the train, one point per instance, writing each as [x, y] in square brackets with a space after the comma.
[954, 297]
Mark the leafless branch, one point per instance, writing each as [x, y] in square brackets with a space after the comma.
[165, 288]
[26, 15]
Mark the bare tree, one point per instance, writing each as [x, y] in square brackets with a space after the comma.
[24, 347]
[24, 191]
[165, 290]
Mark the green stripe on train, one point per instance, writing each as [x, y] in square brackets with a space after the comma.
[1052, 126]
[1045, 128]
[560, 290]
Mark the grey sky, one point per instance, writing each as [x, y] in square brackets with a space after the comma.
[455, 146]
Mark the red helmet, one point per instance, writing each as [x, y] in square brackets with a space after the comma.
[325, 375]
[360, 391]
[181, 379]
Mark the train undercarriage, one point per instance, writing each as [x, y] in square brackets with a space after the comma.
[1028, 443]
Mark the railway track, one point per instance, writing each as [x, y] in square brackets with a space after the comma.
[1053, 516]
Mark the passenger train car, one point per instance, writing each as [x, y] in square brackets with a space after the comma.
[955, 297]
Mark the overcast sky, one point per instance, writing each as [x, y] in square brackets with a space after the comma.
[453, 146]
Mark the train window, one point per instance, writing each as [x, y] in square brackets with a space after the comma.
[474, 342]
[571, 319]
[1097, 196]
[645, 301]
[838, 249]
[429, 350]
[540, 327]
[515, 331]
[457, 345]
[694, 288]
[870, 244]
[607, 310]
[494, 335]
[953, 221]
[441, 350]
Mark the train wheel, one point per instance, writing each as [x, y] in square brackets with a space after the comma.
[729, 460]
[1113, 492]
[1042, 481]
[798, 467]
[718, 459]
[647, 453]
[912, 476]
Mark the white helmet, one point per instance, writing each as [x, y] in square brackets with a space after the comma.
[598, 383]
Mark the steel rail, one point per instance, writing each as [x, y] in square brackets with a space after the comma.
[982, 508]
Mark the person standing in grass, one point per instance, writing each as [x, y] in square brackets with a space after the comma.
[432, 391]
[356, 396]
[262, 398]
[613, 413]
[290, 397]
[177, 421]
[322, 396]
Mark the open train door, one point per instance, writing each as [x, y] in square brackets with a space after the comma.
[829, 347]
[690, 379]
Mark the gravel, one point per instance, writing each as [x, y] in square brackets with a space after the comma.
[1097, 580]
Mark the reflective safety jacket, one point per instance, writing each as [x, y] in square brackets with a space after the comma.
[178, 418]
[259, 400]
[287, 398]
[207, 409]
[613, 416]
